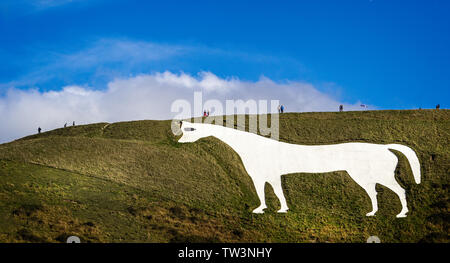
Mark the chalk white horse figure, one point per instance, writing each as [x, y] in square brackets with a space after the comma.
[266, 160]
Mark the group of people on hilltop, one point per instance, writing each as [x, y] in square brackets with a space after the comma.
[65, 126]
[438, 106]
[280, 110]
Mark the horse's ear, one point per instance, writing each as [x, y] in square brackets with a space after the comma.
[181, 123]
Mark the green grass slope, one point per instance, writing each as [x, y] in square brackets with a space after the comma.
[132, 182]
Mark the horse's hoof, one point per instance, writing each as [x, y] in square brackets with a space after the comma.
[258, 211]
[370, 214]
[401, 216]
[282, 211]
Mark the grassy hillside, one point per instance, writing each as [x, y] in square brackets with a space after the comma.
[132, 182]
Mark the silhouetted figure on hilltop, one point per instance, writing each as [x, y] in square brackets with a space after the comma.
[39, 130]
[341, 108]
[438, 107]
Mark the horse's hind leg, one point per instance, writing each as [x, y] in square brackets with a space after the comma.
[394, 186]
[277, 188]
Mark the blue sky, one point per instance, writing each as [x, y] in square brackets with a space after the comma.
[393, 54]
[389, 54]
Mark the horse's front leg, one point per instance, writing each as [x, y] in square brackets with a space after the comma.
[259, 185]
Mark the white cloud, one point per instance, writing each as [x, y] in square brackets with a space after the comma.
[20, 7]
[51, 3]
[106, 51]
[145, 97]
[102, 58]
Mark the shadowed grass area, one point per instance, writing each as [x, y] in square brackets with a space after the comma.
[132, 182]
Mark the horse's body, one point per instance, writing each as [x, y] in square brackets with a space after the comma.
[266, 160]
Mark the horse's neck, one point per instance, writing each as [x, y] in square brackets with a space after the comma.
[222, 133]
[230, 136]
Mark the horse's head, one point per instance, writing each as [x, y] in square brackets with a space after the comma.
[191, 132]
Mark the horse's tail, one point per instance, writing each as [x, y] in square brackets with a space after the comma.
[412, 159]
